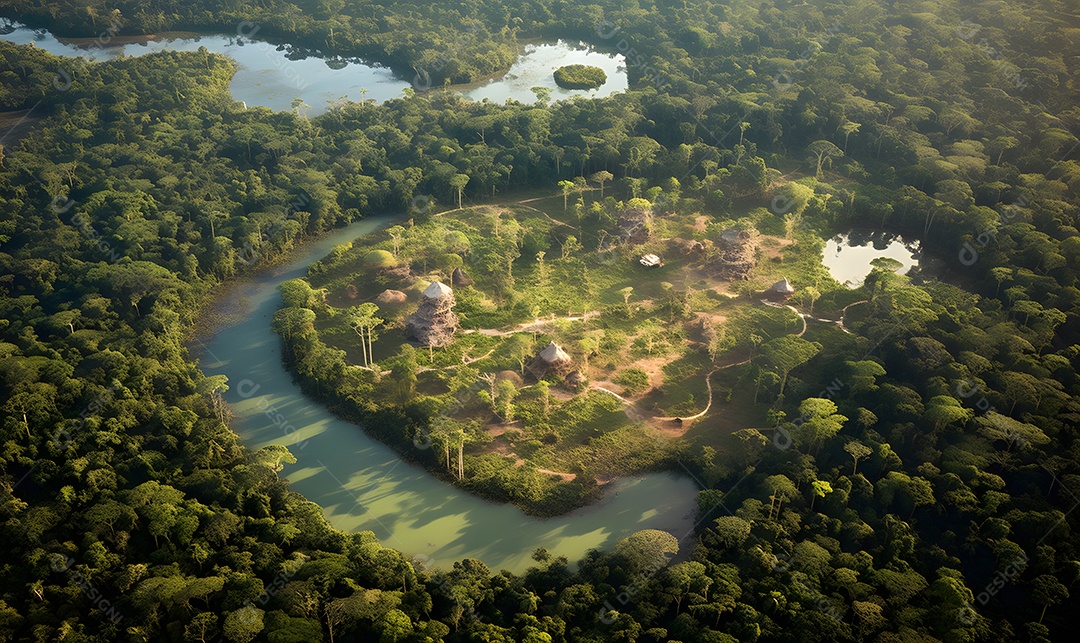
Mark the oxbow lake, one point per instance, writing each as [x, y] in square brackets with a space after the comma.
[363, 485]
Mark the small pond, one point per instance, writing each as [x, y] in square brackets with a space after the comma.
[536, 68]
[848, 256]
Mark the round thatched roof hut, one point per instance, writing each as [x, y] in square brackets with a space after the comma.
[391, 297]
[737, 256]
[552, 359]
[437, 290]
[780, 290]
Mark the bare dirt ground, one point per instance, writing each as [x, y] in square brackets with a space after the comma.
[537, 325]
[654, 368]
[773, 246]
[567, 477]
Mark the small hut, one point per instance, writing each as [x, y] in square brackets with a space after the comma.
[575, 381]
[434, 322]
[391, 298]
[687, 247]
[553, 359]
[459, 278]
[633, 222]
[780, 291]
[650, 261]
[737, 257]
[401, 272]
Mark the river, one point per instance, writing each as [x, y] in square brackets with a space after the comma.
[360, 483]
[363, 485]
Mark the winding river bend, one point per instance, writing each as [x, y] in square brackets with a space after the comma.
[360, 483]
[363, 485]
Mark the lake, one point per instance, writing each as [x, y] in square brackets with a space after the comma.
[536, 68]
[848, 256]
[269, 75]
[363, 485]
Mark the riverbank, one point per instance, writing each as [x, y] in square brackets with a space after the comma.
[362, 485]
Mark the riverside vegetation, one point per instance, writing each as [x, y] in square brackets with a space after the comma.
[547, 438]
[935, 502]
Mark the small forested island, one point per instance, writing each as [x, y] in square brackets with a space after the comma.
[580, 77]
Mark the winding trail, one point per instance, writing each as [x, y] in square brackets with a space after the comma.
[637, 413]
[843, 313]
[804, 316]
[793, 309]
[464, 362]
[708, 405]
[529, 327]
[641, 415]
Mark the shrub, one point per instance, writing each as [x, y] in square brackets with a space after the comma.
[634, 380]
[379, 259]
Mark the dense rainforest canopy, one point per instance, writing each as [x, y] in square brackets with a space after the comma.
[941, 509]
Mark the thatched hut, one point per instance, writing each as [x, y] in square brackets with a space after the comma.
[575, 381]
[687, 247]
[634, 221]
[737, 256]
[552, 360]
[391, 298]
[400, 272]
[780, 291]
[434, 322]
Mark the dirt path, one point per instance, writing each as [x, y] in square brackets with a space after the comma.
[638, 414]
[520, 462]
[632, 408]
[792, 309]
[521, 204]
[708, 405]
[464, 361]
[529, 327]
[805, 316]
[843, 314]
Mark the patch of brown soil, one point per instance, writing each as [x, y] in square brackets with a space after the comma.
[719, 286]
[670, 429]
[654, 368]
[773, 247]
[495, 430]
[566, 476]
